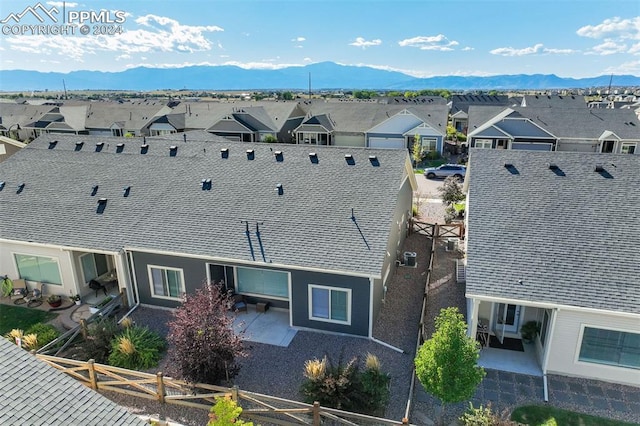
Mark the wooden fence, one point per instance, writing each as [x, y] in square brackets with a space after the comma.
[258, 407]
[434, 230]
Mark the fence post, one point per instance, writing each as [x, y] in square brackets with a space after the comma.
[316, 413]
[83, 328]
[125, 302]
[93, 379]
[161, 393]
[234, 393]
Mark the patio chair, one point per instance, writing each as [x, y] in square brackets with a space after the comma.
[19, 289]
[239, 303]
[95, 285]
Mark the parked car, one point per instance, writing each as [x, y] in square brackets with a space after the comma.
[446, 170]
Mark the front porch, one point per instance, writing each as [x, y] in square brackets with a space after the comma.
[270, 327]
[512, 361]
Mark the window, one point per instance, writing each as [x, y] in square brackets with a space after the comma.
[628, 148]
[166, 282]
[607, 146]
[262, 282]
[38, 268]
[428, 145]
[93, 265]
[330, 304]
[610, 347]
[484, 143]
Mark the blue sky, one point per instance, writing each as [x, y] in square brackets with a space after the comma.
[569, 38]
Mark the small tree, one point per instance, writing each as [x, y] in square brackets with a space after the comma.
[226, 412]
[203, 344]
[416, 150]
[446, 364]
[270, 139]
[451, 191]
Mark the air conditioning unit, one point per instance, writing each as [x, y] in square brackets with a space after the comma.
[452, 243]
[410, 259]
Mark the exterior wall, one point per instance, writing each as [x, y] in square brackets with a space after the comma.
[65, 264]
[7, 150]
[195, 274]
[360, 300]
[194, 270]
[396, 240]
[348, 140]
[567, 338]
[97, 132]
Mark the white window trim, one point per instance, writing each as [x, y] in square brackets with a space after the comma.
[13, 255]
[324, 287]
[260, 295]
[577, 360]
[628, 144]
[428, 140]
[167, 268]
[483, 142]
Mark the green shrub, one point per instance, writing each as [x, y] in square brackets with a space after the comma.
[97, 345]
[345, 387]
[484, 416]
[45, 332]
[136, 348]
[226, 412]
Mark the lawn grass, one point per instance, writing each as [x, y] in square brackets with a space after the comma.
[543, 415]
[18, 317]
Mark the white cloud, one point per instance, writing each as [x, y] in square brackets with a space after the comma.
[299, 46]
[124, 56]
[163, 35]
[245, 65]
[438, 42]
[537, 49]
[299, 39]
[307, 60]
[614, 27]
[59, 4]
[618, 36]
[361, 42]
[632, 68]
[224, 56]
[467, 49]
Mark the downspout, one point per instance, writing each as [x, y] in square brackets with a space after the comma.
[552, 329]
[134, 285]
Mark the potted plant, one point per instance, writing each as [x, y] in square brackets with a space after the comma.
[54, 300]
[75, 298]
[529, 331]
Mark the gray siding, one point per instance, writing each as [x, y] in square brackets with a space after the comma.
[195, 274]
[300, 281]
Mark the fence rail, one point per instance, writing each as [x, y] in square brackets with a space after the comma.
[435, 230]
[259, 407]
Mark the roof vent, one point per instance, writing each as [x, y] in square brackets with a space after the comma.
[206, 184]
[184, 137]
[250, 154]
[511, 168]
[173, 150]
[94, 190]
[313, 157]
[373, 159]
[79, 145]
[126, 191]
[53, 144]
[603, 172]
[102, 204]
[279, 189]
[144, 148]
[2, 185]
[599, 168]
[555, 169]
[224, 152]
[20, 188]
[99, 146]
[279, 156]
[119, 148]
[349, 159]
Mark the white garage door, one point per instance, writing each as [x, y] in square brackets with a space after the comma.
[390, 143]
[532, 146]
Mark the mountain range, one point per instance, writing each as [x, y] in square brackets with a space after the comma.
[323, 75]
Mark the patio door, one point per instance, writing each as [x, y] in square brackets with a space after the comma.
[506, 319]
[218, 273]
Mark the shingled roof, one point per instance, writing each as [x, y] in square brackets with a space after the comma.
[572, 234]
[309, 226]
[33, 393]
